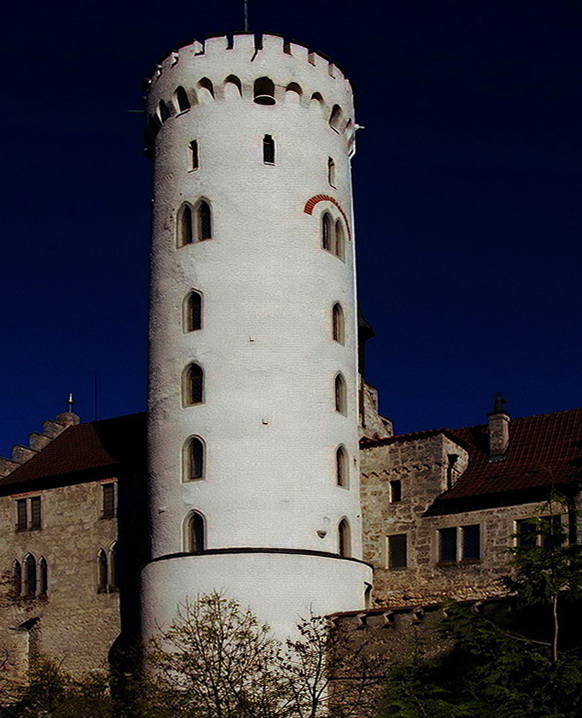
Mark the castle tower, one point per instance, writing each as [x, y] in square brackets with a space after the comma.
[253, 406]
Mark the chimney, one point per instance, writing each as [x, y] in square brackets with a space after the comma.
[498, 429]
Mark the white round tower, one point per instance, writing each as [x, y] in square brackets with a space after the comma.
[253, 409]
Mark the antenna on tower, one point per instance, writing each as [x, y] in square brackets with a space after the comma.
[246, 8]
[70, 403]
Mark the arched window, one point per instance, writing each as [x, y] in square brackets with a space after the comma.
[293, 93]
[335, 118]
[264, 91]
[340, 244]
[326, 231]
[16, 578]
[268, 150]
[102, 571]
[182, 99]
[207, 89]
[196, 533]
[42, 577]
[193, 311]
[194, 157]
[30, 575]
[232, 86]
[203, 221]
[193, 459]
[331, 171]
[184, 234]
[316, 102]
[340, 394]
[338, 323]
[342, 466]
[345, 548]
[193, 389]
[113, 567]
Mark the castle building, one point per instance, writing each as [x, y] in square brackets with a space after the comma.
[244, 473]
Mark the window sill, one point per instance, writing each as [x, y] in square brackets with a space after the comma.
[106, 518]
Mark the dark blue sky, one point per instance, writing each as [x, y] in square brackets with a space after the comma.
[467, 192]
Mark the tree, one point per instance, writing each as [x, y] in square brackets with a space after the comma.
[218, 661]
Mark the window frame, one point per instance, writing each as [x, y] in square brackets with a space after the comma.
[391, 551]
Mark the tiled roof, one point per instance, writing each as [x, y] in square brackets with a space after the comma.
[115, 443]
[543, 451]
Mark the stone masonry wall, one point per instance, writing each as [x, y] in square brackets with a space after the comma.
[421, 466]
[74, 624]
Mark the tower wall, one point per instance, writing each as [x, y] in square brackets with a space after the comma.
[268, 419]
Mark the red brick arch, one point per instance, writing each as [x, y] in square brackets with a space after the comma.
[310, 205]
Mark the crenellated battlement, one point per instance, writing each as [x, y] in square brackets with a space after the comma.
[264, 69]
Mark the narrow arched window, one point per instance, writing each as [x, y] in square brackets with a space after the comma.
[42, 577]
[30, 575]
[340, 244]
[338, 323]
[268, 150]
[344, 537]
[264, 91]
[184, 234]
[326, 232]
[335, 118]
[16, 579]
[193, 311]
[340, 394]
[102, 572]
[194, 158]
[342, 466]
[232, 86]
[193, 458]
[196, 536]
[113, 567]
[203, 221]
[193, 385]
[182, 100]
[331, 171]
[206, 84]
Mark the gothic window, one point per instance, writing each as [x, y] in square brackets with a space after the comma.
[102, 571]
[342, 467]
[16, 578]
[337, 323]
[395, 491]
[194, 158]
[340, 394]
[344, 538]
[232, 86]
[335, 118]
[293, 92]
[193, 311]
[206, 84]
[340, 249]
[326, 232]
[397, 551]
[184, 226]
[108, 501]
[196, 533]
[331, 171]
[113, 567]
[193, 389]
[203, 221]
[193, 459]
[30, 575]
[182, 100]
[264, 91]
[42, 577]
[268, 150]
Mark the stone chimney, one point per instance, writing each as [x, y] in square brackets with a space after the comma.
[498, 429]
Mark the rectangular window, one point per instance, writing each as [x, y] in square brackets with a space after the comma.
[526, 533]
[21, 515]
[448, 544]
[471, 542]
[395, 492]
[108, 501]
[35, 515]
[194, 155]
[397, 551]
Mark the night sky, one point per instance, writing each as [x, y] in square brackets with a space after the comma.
[467, 198]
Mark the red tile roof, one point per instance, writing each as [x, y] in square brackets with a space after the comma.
[113, 443]
[543, 450]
